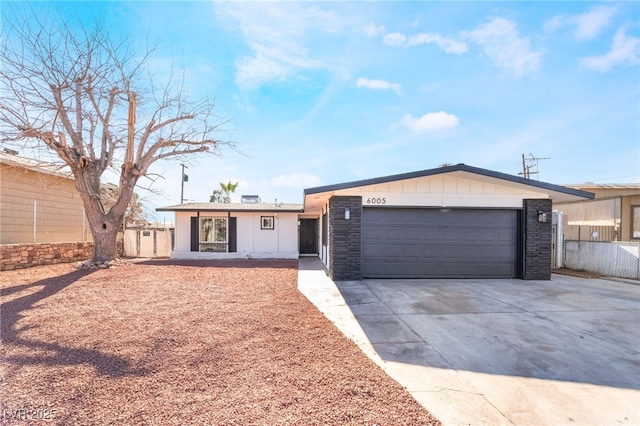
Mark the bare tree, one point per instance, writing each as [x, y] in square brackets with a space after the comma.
[134, 215]
[91, 101]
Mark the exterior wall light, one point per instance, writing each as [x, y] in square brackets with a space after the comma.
[542, 217]
[347, 213]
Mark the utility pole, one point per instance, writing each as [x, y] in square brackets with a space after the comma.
[185, 178]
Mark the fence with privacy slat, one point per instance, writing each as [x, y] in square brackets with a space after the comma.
[609, 258]
[148, 243]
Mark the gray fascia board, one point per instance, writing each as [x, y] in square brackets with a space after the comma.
[449, 169]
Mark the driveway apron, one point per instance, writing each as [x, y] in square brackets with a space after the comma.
[475, 352]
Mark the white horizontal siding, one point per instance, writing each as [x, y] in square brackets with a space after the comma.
[442, 191]
[252, 241]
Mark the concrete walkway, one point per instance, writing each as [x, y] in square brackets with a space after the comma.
[496, 352]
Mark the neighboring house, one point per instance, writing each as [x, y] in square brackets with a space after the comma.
[39, 203]
[450, 222]
[614, 214]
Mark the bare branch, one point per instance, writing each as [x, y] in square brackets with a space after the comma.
[79, 93]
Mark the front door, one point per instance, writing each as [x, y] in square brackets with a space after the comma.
[308, 236]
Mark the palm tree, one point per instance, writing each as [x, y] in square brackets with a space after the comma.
[227, 189]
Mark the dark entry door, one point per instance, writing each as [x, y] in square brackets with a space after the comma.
[308, 236]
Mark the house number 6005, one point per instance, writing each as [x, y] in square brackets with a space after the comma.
[376, 201]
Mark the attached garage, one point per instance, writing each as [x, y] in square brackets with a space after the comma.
[450, 222]
[439, 243]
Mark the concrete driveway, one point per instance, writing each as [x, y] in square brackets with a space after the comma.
[565, 351]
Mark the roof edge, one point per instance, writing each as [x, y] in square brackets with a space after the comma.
[172, 209]
[449, 169]
[234, 207]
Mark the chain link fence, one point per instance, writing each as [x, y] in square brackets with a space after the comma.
[41, 222]
[609, 258]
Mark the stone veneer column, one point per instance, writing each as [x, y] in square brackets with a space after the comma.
[345, 238]
[537, 240]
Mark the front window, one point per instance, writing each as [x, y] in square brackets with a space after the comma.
[213, 234]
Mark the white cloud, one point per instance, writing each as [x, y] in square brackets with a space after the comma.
[395, 39]
[296, 180]
[372, 30]
[254, 71]
[625, 50]
[431, 122]
[590, 24]
[276, 33]
[447, 44]
[378, 85]
[500, 40]
[587, 25]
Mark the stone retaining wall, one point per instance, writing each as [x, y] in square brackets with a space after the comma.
[20, 256]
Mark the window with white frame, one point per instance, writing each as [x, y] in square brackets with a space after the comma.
[214, 234]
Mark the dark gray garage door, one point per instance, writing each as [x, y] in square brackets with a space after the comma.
[435, 243]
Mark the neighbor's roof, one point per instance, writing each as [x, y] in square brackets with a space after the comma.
[233, 207]
[609, 190]
[449, 169]
[590, 185]
[36, 165]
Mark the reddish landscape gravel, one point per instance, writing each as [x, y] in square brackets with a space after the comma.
[216, 343]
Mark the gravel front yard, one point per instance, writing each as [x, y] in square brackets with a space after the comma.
[200, 343]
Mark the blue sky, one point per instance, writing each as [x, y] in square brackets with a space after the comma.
[330, 92]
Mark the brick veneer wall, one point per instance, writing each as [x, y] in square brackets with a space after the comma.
[537, 240]
[345, 238]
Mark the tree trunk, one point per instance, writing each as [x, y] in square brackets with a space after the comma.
[105, 244]
[104, 226]
[104, 229]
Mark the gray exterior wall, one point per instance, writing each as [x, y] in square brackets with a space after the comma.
[537, 240]
[345, 238]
